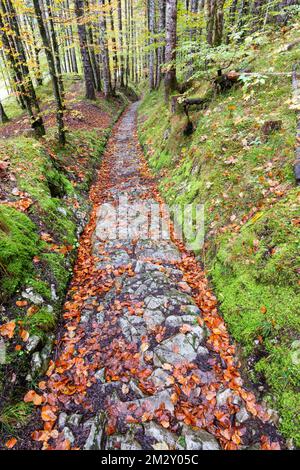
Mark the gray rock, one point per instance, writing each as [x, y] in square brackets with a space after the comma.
[122, 442]
[94, 440]
[179, 348]
[157, 302]
[69, 435]
[132, 327]
[32, 296]
[135, 389]
[160, 250]
[100, 375]
[62, 420]
[36, 363]
[62, 210]
[178, 320]
[100, 317]
[74, 419]
[190, 309]
[85, 316]
[199, 439]
[153, 318]
[154, 402]
[242, 415]
[54, 295]
[159, 434]
[159, 378]
[223, 395]
[33, 343]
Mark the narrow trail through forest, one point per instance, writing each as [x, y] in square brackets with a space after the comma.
[143, 359]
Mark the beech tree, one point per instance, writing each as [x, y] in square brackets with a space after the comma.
[83, 41]
[170, 54]
[54, 73]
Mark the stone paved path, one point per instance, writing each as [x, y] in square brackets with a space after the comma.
[143, 360]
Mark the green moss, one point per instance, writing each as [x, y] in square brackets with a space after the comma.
[42, 320]
[17, 247]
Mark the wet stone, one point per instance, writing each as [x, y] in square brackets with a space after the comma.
[179, 348]
[162, 435]
[199, 439]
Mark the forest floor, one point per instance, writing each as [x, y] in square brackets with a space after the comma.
[143, 359]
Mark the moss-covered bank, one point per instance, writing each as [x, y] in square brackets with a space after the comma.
[245, 181]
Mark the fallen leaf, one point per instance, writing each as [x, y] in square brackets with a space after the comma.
[33, 397]
[11, 443]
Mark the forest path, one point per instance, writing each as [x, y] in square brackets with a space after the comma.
[143, 359]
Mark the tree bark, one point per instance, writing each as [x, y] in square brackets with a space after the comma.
[52, 71]
[55, 49]
[151, 9]
[86, 61]
[121, 45]
[3, 115]
[161, 30]
[107, 88]
[114, 46]
[171, 33]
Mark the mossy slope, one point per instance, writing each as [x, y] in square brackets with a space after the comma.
[245, 181]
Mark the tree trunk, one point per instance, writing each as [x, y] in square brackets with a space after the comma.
[219, 23]
[210, 6]
[104, 54]
[54, 78]
[3, 115]
[55, 49]
[114, 46]
[121, 45]
[151, 9]
[171, 32]
[161, 30]
[86, 61]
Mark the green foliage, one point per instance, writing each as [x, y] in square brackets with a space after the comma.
[15, 416]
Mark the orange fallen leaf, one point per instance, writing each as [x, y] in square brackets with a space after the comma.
[8, 329]
[24, 335]
[11, 443]
[21, 303]
[47, 414]
[33, 397]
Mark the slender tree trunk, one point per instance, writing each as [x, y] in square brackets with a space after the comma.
[107, 88]
[211, 6]
[86, 61]
[151, 9]
[114, 46]
[54, 78]
[161, 30]
[3, 115]
[55, 49]
[171, 33]
[219, 23]
[121, 45]
[70, 42]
